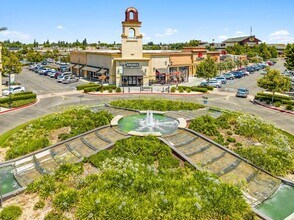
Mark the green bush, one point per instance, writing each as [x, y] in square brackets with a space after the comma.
[181, 90]
[156, 104]
[11, 212]
[274, 160]
[53, 215]
[229, 133]
[18, 103]
[35, 135]
[231, 140]
[238, 144]
[18, 97]
[118, 90]
[289, 107]
[83, 86]
[173, 89]
[109, 90]
[206, 125]
[39, 205]
[207, 87]
[23, 93]
[64, 200]
[277, 104]
[199, 89]
[188, 90]
[92, 89]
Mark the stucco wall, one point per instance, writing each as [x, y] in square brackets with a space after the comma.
[99, 60]
[78, 57]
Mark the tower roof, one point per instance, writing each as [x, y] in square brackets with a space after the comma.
[131, 15]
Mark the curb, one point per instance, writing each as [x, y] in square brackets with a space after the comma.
[142, 93]
[22, 107]
[273, 108]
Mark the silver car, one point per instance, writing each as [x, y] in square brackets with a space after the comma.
[69, 79]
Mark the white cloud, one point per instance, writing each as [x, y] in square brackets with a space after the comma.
[145, 37]
[239, 32]
[60, 27]
[15, 35]
[223, 37]
[167, 32]
[281, 36]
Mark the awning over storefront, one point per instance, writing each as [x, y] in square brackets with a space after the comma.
[162, 71]
[133, 72]
[102, 71]
[71, 65]
[77, 66]
[91, 69]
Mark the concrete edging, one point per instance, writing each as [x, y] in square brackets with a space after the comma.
[271, 107]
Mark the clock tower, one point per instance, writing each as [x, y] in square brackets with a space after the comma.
[131, 37]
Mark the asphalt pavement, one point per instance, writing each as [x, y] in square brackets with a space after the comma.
[54, 96]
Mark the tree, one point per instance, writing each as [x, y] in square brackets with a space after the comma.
[230, 64]
[245, 62]
[274, 82]
[11, 63]
[85, 42]
[207, 68]
[289, 57]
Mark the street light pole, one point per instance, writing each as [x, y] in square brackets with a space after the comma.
[123, 78]
[9, 83]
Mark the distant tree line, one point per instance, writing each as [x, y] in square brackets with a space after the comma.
[262, 50]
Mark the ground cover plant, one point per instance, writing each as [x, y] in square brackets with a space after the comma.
[36, 134]
[140, 179]
[253, 138]
[156, 104]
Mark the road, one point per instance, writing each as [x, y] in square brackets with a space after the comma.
[54, 96]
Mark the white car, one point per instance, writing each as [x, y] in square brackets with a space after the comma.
[13, 90]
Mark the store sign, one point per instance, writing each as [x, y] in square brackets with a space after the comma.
[132, 65]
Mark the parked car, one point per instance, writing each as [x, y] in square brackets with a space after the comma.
[262, 72]
[238, 75]
[242, 92]
[222, 79]
[61, 77]
[69, 79]
[57, 73]
[212, 82]
[229, 76]
[13, 90]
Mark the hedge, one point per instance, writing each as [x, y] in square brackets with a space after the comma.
[264, 97]
[194, 88]
[94, 88]
[23, 93]
[83, 86]
[18, 97]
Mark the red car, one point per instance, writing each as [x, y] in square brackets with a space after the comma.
[57, 74]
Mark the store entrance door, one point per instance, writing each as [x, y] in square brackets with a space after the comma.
[133, 80]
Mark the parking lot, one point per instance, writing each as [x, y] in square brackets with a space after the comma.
[41, 84]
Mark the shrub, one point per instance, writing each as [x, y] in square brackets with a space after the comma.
[231, 140]
[23, 93]
[83, 86]
[199, 89]
[205, 124]
[277, 161]
[229, 133]
[173, 89]
[53, 215]
[238, 144]
[110, 90]
[188, 90]
[118, 90]
[11, 212]
[289, 107]
[65, 200]
[91, 89]
[277, 104]
[39, 205]
[181, 90]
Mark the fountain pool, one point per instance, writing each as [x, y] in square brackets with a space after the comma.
[280, 205]
[7, 181]
[148, 123]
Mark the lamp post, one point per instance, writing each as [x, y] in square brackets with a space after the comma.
[79, 68]
[123, 78]
[9, 83]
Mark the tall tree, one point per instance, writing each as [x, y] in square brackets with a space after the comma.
[274, 82]
[207, 68]
[289, 57]
[11, 63]
[85, 42]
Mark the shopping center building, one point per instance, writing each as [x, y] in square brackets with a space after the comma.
[133, 66]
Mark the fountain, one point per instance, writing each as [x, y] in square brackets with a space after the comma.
[148, 123]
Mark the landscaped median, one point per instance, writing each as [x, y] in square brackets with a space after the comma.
[94, 87]
[18, 100]
[283, 102]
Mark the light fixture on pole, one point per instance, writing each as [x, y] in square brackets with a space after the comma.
[123, 77]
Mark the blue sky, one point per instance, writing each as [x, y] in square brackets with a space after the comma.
[162, 20]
